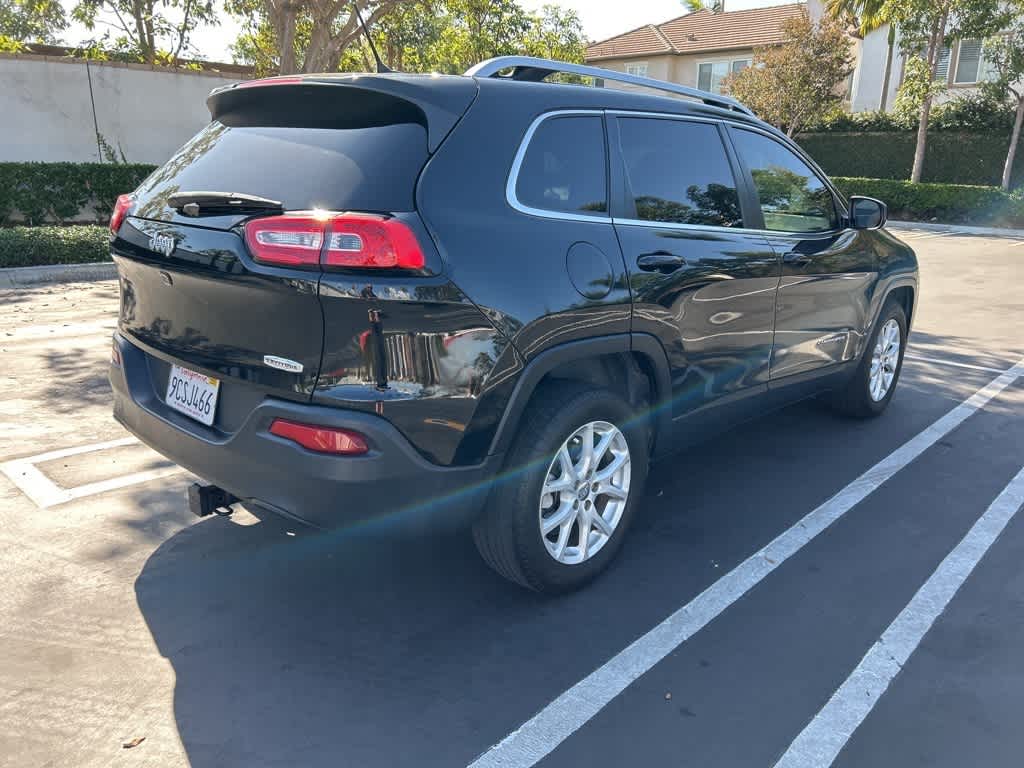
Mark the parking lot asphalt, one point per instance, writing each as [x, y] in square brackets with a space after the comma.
[737, 628]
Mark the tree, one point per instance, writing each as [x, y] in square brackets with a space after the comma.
[555, 33]
[477, 30]
[925, 26]
[30, 21]
[404, 37]
[145, 31]
[715, 6]
[1005, 57]
[419, 36]
[290, 36]
[799, 79]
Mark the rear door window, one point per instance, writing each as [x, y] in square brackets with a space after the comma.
[677, 172]
[792, 196]
[564, 169]
[366, 169]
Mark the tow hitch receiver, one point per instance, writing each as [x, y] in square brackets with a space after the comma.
[204, 500]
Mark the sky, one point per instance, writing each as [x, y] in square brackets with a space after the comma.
[601, 19]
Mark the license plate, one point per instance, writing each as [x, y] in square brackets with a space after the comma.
[193, 394]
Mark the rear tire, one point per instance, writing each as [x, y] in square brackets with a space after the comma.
[868, 392]
[556, 519]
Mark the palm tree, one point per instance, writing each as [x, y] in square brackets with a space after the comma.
[715, 6]
[870, 15]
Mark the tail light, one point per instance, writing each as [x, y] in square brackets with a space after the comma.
[121, 208]
[344, 240]
[342, 442]
[289, 241]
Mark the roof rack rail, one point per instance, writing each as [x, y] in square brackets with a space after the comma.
[531, 69]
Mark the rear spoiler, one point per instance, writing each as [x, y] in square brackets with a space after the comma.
[347, 101]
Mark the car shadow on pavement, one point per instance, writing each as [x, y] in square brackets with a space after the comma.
[380, 647]
[963, 351]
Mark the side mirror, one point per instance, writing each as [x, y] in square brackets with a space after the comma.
[867, 213]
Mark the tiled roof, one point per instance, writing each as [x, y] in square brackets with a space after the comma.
[641, 41]
[700, 31]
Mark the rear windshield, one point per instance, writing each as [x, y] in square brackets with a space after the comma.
[366, 169]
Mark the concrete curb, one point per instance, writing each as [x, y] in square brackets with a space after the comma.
[21, 277]
[956, 229]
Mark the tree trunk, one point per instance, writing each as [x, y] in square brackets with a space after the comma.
[934, 45]
[317, 50]
[140, 32]
[149, 49]
[285, 33]
[1011, 153]
[887, 76]
[922, 139]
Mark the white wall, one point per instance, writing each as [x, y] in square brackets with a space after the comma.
[870, 74]
[47, 113]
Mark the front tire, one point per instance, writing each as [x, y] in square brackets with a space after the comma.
[573, 479]
[869, 391]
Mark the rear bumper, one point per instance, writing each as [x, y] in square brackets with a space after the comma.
[393, 479]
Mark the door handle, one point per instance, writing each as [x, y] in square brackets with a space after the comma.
[799, 259]
[660, 261]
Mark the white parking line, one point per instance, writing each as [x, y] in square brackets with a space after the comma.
[927, 236]
[539, 735]
[45, 493]
[939, 361]
[819, 743]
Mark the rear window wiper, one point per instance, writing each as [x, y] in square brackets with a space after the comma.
[220, 203]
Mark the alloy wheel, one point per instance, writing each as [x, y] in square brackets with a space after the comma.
[884, 360]
[585, 492]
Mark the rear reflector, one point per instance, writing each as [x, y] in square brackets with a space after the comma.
[362, 241]
[121, 208]
[333, 440]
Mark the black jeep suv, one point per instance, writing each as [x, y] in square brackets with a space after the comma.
[490, 298]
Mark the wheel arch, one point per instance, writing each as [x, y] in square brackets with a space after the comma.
[632, 364]
[906, 295]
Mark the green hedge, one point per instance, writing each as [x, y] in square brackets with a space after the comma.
[32, 246]
[946, 203]
[954, 158]
[58, 192]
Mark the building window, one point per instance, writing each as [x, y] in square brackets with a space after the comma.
[711, 74]
[970, 63]
[942, 66]
[637, 69]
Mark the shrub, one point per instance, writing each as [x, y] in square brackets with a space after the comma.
[974, 112]
[967, 113]
[59, 192]
[947, 203]
[856, 122]
[32, 246]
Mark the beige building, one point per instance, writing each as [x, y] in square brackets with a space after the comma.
[699, 49]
